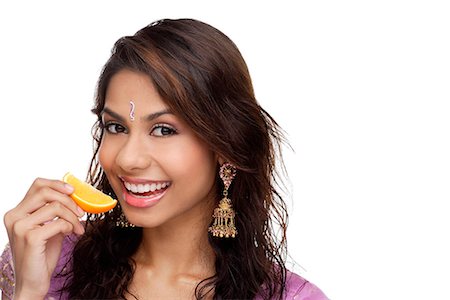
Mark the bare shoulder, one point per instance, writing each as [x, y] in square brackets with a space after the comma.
[299, 288]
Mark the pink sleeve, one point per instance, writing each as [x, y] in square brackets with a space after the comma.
[7, 278]
[309, 292]
[63, 268]
[298, 288]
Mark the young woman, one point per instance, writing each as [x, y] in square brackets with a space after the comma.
[190, 155]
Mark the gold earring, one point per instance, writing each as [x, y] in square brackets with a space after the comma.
[223, 215]
[122, 221]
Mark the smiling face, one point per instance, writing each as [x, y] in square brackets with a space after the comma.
[159, 169]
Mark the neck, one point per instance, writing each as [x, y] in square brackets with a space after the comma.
[178, 248]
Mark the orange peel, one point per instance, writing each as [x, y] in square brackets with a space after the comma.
[87, 197]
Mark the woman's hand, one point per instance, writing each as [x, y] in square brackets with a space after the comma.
[36, 228]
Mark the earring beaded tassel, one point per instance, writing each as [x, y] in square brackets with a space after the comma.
[223, 215]
[121, 221]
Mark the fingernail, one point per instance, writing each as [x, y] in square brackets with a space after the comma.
[80, 211]
[68, 187]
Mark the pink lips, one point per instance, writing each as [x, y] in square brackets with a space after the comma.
[141, 201]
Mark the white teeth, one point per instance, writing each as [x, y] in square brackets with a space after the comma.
[143, 188]
[127, 185]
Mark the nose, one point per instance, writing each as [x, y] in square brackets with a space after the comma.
[133, 155]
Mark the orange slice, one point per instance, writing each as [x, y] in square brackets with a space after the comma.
[87, 197]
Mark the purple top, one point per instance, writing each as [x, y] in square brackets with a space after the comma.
[296, 287]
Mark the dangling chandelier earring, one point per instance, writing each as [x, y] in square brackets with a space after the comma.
[223, 215]
[121, 220]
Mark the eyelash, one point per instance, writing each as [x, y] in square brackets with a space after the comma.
[171, 129]
[107, 126]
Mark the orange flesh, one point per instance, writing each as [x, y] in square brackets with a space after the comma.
[87, 197]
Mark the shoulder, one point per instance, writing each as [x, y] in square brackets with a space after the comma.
[299, 288]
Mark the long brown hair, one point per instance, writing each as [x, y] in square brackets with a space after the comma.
[202, 77]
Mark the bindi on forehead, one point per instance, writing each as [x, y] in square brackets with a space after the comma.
[132, 109]
[150, 117]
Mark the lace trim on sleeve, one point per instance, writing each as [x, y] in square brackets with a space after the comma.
[7, 277]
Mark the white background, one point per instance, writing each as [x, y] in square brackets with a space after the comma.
[361, 87]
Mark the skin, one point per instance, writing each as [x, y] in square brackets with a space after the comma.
[35, 239]
[175, 254]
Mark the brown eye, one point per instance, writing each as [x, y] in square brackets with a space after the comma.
[163, 130]
[114, 128]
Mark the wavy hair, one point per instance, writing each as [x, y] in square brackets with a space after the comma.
[202, 77]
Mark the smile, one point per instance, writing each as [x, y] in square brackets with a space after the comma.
[145, 188]
[144, 194]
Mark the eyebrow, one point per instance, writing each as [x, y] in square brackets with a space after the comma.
[148, 118]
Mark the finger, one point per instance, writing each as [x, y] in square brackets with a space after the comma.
[29, 203]
[41, 192]
[57, 185]
[44, 195]
[43, 239]
[40, 235]
[48, 214]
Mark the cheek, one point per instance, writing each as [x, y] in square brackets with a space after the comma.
[105, 155]
[193, 162]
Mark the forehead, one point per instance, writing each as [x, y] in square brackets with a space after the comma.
[126, 86]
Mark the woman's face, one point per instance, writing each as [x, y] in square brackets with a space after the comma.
[159, 169]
